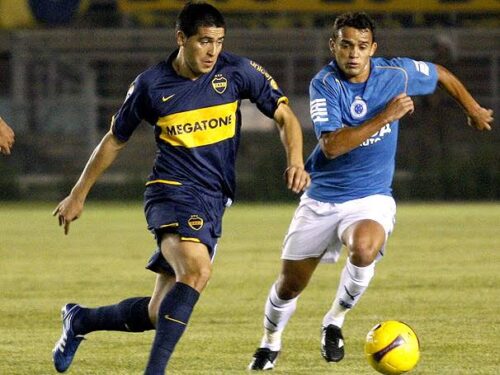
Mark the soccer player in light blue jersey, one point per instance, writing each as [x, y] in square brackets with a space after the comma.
[356, 102]
[192, 101]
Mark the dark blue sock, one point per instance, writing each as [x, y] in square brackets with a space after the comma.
[130, 315]
[173, 316]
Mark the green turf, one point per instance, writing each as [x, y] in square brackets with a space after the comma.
[441, 275]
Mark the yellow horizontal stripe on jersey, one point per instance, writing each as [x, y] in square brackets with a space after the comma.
[199, 127]
[168, 182]
[192, 239]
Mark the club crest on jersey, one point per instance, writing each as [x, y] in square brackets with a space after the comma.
[358, 108]
[219, 83]
[195, 222]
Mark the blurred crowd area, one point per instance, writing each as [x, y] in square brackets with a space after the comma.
[247, 13]
[65, 67]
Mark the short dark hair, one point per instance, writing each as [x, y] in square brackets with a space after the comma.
[198, 14]
[358, 20]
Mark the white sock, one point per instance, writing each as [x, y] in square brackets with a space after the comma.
[276, 315]
[353, 282]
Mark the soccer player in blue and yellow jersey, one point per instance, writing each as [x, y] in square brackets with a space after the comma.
[7, 138]
[356, 102]
[192, 100]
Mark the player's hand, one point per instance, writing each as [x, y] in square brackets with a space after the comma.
[398, 107]
[68, 210]
[7, 138]
[480, 119]
[297, 179]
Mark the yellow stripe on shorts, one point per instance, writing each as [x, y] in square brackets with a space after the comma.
[192, 239]
[169, 225]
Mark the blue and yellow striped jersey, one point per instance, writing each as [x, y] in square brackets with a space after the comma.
[197, 123]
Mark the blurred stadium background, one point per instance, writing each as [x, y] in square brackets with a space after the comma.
[65, 66]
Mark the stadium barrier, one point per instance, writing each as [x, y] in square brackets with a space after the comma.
[66, 84]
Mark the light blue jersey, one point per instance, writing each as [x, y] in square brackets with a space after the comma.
[336, 103]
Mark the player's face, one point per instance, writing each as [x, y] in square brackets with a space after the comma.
[352, 50]
[200, 51]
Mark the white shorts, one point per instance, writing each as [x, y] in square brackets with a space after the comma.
[317, 227]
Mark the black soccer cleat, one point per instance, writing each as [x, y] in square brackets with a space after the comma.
[263, 359]
[332, 343]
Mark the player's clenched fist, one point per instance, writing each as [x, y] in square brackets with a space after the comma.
[400, 106]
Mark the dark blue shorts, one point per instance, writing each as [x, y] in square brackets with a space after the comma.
[195, 215]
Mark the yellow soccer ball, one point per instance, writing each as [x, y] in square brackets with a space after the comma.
[392, 347]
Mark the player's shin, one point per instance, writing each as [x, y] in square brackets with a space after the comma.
[173, 316]
[353, 283]
[130, 315]
[277, 313]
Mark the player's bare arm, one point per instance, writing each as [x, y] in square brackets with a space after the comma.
[296, 177]
[478, 117]
[346, 139]
[7, 138]
[71, 207]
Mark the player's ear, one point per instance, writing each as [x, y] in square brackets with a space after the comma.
[373, 49]
[180, 37]
[331, 45]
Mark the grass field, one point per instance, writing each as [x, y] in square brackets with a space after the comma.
[441, 275]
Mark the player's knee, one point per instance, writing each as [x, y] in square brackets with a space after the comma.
[363, 255]
[203, 275]
[289, 288]
[196, 277]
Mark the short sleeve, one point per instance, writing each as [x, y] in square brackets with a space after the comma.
[131, 113]
[260, 87]
[422, 76]
[324, 105]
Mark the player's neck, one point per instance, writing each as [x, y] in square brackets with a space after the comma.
[182, 68]
[360, 78]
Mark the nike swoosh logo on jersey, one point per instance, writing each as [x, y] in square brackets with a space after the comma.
[163, 99]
